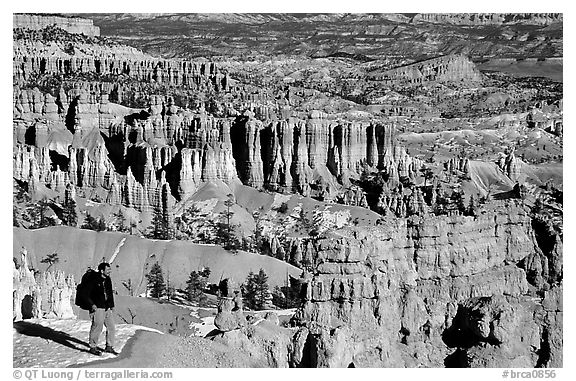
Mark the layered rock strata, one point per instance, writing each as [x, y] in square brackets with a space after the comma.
[93, 144]
[33, 56]
[389, 295]
[70, 24]
[489, 18]
[446, 69]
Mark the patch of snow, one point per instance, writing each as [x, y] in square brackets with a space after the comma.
[207, 324]
[326, 219]
[279, 199]
[206, 206]
[63, 342]
[120, 244]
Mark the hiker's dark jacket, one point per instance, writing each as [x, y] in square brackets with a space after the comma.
[99, 291]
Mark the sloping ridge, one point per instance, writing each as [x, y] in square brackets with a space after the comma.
[79, 248]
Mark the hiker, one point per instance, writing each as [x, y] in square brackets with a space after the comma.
[100, 298]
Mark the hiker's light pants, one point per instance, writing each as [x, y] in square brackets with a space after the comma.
[102, 317]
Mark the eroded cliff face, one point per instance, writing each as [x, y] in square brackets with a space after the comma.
[489, 18]
[70, 24]
[52, 50]
[82, 138]
[439, 291]
[445, 69]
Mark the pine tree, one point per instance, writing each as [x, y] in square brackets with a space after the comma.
[101, 226]
[160, 228]
[457, 199]
[196, 284]
[156, 285]
[51, 259]
[224, 228]
[249, 291]
[156, 228]
[38, 214]
[120, 222]
[256, 290]
[92, 223]
[278, 298]
[43, 208]
[69, 215]
[428, 175]
[472, 206]
[89, 223]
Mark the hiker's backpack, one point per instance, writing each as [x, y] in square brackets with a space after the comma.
[81, 299]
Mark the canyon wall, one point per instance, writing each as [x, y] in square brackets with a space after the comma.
[453, 68]
[57, 53]
[433, 292]
[82, 138]
[489, 18]
[70, 24]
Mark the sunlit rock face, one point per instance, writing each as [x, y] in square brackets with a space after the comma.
[430, 291]
[43, 295]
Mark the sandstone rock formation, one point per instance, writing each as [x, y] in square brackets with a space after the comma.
[38, 54]
[494, 332]
[489, 18]
[510, 165]
[70, 24]
[451, 68]
[230, 315]
[388, 296]
[96, 143]
[42, 295]
[132, 154]
[266, 343]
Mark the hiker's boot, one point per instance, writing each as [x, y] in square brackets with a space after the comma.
[95, 351]
[110, 349]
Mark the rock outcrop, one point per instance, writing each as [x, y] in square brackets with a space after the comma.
[58, 53]
[70, 24]
[447, 69]
[42, 295]
[492, 331]
[511, 165]
[267, 344]
[387, 296]
[230, 315]
[489, 18]
[99, 144]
